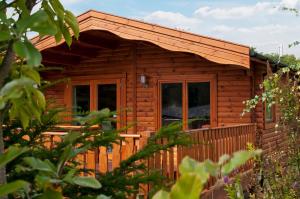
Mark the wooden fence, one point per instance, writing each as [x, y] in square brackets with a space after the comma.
[207, 144]
[103, 159]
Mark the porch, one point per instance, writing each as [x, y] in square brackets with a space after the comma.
[208, 143]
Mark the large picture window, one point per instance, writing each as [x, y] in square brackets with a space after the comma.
[189, 101]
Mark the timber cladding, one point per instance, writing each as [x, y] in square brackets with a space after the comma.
[126, 63]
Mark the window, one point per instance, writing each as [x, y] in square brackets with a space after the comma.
[91, 95]
[187, 101]
[270, 112]
[198, 105]
[171, 103]
[81, 100]
[107, 96]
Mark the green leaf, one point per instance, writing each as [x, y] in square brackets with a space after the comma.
[85, 181]
[71, 20]
[22, 5]
[58, 8]
[189, 165]
[35, 56]
[65, 156]
[239, 158]
[212, 168]
[40, 165]
[5, 35]
[24, 117]
[2, 103]
[12, 187]
[41, 100]
[66, 35]
[31, 21]
[69, 176]
[29, 52]
[161, 195]
[71, 137]
[188, 186]
[47, 28]
[20, 49]
[51, 194]
[31, 73]
[223, 159]
[11, 153]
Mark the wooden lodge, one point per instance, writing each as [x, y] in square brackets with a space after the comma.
[153, 75]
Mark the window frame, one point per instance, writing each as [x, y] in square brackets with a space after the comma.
[269, 123]
[93, 82]
[185, 79]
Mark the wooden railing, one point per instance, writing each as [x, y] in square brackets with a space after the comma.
[102, 159]
[207, 144]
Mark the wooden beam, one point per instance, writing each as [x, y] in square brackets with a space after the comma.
[98, 42]
[59, 59]
[75, 50]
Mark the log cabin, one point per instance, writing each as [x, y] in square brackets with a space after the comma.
[153, 76]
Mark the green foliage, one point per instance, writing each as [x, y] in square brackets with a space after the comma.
[280, 88]
[194, 175]
[55, 172]
[289, 60]
[12, 153]
[277, 173]
[234, 190]
[22, 93]
[13, 187]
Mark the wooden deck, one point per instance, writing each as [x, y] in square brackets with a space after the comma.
[207, 144]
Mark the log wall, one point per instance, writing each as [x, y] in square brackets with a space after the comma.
[132, 59]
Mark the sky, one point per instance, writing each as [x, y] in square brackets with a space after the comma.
[262, 24]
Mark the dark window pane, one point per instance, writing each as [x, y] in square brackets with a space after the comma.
[81, 99]
[107, 96]
[171, 103]
[198, 104]
[269, 113]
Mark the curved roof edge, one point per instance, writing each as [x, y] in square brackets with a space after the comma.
[215, 50]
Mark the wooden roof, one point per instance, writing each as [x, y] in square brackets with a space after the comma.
[215, 50]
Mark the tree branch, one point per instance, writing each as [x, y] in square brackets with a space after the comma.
[7, 63]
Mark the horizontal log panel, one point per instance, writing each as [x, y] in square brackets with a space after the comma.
[237, 77]
[236, 115]
[145, 128]
[142, 114]
[232, 99]
[236, 93]
[234, 120]
[231, 104]
[230, 109]
[233, 83]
